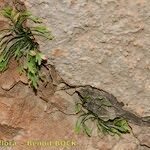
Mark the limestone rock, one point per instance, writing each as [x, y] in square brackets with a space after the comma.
[103, 43]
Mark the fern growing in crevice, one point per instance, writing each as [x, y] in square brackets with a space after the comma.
[18, 42]
[88, 119]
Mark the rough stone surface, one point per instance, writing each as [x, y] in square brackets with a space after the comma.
[104, 43]
[143, 135]
[25, 116]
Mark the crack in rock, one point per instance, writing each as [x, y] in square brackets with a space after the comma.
[9, 131]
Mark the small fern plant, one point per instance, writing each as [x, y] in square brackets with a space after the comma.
[117, 126]
[18, 42]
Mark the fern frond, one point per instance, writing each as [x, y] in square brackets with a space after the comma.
[18, 42]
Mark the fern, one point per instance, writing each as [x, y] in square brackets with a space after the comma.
[18, 41]
[116, 126]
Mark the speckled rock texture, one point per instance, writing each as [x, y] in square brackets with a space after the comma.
[103, 43]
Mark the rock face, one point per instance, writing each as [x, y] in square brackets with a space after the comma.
[25, 118]
[103, 43]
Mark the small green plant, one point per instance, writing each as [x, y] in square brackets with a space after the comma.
[18, 42]
[87, 117]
